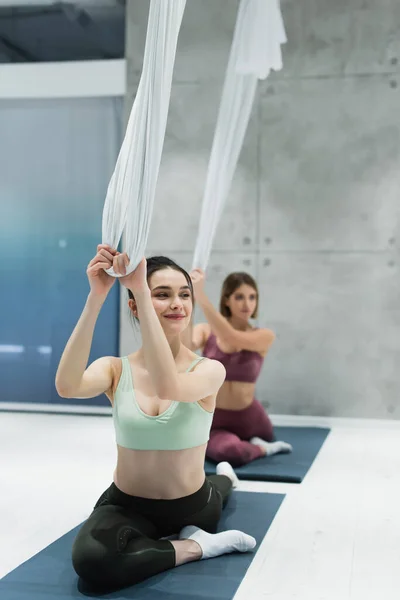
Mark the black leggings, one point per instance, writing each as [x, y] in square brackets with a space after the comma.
[119, 545]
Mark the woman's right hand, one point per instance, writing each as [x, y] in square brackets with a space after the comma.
[101, 282]
[198, 278]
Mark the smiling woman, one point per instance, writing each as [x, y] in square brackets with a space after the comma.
[164, 288]
[163, 400]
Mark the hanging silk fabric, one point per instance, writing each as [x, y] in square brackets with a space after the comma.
[256, 49]
[130, 196]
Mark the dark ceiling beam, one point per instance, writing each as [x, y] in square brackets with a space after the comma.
[13, 50]
[20, 12]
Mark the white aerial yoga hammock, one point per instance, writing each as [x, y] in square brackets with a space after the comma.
[130, 196]
[128, 207]
[256, 49]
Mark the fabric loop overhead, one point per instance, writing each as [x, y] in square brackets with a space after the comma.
[130, 195]
[256, 49]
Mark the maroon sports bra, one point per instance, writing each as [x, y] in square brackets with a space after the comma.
[244, 366]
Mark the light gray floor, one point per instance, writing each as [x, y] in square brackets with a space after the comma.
[336, 536]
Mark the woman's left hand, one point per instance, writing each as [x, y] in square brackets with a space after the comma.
[135, 281]
[198, 278]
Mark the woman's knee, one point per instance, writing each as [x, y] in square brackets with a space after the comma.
[91, 560]
[101, 567]
[98, 550]
[231, 450]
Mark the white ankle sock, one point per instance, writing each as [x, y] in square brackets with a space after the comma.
[224, 468]
[271, 447]
[215, 544]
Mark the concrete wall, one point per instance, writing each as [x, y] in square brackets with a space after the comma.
[314, 208]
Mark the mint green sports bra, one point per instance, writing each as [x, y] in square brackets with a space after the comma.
[183, 425]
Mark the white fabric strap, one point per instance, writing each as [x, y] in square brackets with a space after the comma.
[130, 196]
[256, 49]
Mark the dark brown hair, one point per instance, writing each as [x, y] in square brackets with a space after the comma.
[230, 285]
[158, 263]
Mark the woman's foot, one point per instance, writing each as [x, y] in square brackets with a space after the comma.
[224, 468]
[215, 544]
[271, 448]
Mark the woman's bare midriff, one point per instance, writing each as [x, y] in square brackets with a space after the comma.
[160, 474]
[235, 395]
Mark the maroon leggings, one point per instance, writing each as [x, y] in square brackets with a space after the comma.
[231, 430]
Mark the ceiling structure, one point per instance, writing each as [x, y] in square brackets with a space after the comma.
[43, 31]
